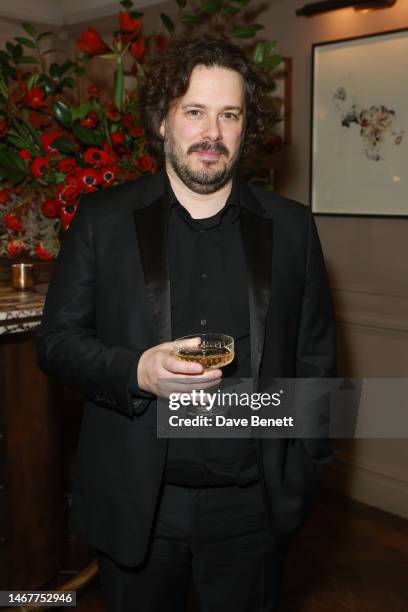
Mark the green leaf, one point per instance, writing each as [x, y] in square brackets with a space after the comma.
[29, 29]
[87, 135]
[17, 54]
[230, 10]
[79, 70]
[67, 82]
[209, 8]
[136, 14]
[11, 165]
[35, 135]
[25, 42]
[26, 59]
[242, 3]
[13, 175]
[246, 31]
[127, 4]
[10, 48]
[271, 62]
[67, 66]
[81, 111]
[46, 83]
[259, 52]
[263, 50]
[62, 113]
[167, 22]
[43, 35]
[16, 140]
[181, 3]
[64, 145]
[193, 19]
[31, 82]
[4, 57]
[55, 70]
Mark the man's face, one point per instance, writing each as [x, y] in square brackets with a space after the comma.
[204, 129]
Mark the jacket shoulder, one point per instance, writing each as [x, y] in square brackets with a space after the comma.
[121, 198]
[278, 207]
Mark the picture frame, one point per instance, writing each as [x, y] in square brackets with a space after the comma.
[359, 126]
[282, 96]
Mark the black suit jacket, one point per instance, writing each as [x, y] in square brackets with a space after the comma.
[109, 300]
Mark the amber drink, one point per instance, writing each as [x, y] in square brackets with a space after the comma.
[210, 350]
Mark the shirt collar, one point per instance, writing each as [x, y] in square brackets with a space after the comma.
[226, 216]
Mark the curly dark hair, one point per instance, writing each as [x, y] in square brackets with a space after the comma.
[168, 78]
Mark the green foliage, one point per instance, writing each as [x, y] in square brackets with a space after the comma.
[62, 113]
[167, 22]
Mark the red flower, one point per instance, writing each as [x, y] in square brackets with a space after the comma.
[50, 208]
[112, 113]
[88, 122]
[67, 213]
[138, 48]
[144, 163]
[109, 174]
[48, 140]
[25, 154]
[89, 179]
[67, 165]
[117, 138]
[92, 43]
[15, 247]
[34, 98]
[12, 222]
[4, 196]
[128, 23]
[137, 131]
[96, 157]
[160, 42]
[40, 166]
[42, 252]
[93, 90]
[128, 120]
[67, 193]
[39, 121]
[3, 127]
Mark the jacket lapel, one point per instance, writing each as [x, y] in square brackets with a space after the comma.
[257, 236]
[151, 229]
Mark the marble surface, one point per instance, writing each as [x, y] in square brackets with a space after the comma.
[21, 311]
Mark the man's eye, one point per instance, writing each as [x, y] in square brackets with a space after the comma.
[194, 112]
[231, 116]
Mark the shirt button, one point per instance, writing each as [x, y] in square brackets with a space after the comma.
[204, 275]
[203, 321]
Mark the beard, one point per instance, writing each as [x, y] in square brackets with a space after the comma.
[206, 180]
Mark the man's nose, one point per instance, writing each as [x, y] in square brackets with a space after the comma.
[211, 129]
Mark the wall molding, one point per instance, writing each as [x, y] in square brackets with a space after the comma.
[368, 484]
[63, 12]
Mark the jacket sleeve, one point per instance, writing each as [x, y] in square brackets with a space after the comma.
[316, 352]
[66, 344]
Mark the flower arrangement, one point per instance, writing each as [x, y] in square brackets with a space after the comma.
[56, 145]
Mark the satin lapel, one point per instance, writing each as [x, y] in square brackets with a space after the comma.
[151, 228]
[257, 235]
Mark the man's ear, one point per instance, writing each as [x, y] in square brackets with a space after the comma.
[162, 128]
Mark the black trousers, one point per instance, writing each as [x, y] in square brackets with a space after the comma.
[217, 537]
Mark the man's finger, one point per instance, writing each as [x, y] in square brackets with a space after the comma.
[180, 366]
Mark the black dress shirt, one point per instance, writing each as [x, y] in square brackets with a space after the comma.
[209, 293]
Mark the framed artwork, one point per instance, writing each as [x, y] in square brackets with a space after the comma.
[282, 96]
[359, 139]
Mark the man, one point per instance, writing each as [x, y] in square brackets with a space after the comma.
[190, 249]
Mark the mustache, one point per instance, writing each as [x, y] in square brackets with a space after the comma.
[217, 147]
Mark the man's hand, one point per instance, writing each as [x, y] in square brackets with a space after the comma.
[160, 372]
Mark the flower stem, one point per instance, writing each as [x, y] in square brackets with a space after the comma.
[119, 84]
